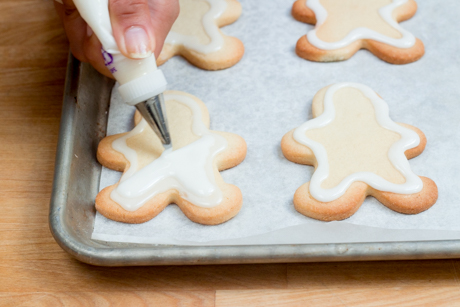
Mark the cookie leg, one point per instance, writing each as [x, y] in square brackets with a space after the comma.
[396, 55]
[306, 50]
[412, 203]
[111, 210]
[336, 210]
[230, 206]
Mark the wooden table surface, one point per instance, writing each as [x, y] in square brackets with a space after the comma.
[35, 271]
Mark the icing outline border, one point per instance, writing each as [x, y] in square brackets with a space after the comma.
[409, 139]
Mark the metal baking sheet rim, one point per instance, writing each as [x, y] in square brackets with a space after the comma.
[71, 225]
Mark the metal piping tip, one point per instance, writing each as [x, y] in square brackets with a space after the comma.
[154, 112]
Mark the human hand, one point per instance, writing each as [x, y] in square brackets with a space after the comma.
[140, 27]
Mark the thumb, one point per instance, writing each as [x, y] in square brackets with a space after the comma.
[132, 27]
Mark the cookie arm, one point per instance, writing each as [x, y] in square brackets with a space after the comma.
[296, 152]
[108, 156]
[231, 14]
[405, 11]
[302, 13]
[235, 152]
[393, 54]
[414, 152]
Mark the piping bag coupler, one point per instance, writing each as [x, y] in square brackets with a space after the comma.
[141, 83]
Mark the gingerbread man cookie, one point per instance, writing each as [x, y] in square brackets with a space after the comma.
[345, 26]
[188, 175]
[357, 150]
[196, 35]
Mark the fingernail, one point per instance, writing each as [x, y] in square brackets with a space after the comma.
[137, 43]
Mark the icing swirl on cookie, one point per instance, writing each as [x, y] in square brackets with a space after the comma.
[409, 139]
[189, 170]
[217, 8]
[406, 41]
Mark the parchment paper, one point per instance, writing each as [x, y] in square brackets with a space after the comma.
[270, 92]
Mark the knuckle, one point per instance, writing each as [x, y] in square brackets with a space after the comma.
[69, 8]
[169, 9]
[71, 13]
[129, 9]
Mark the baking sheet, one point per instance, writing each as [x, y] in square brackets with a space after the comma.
[270, 92]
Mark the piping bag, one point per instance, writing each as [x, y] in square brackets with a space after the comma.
[141, 83]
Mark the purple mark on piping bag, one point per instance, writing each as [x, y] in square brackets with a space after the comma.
[108, 58]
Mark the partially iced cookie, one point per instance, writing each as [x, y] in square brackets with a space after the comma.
[357, 150]
[196, 35]
[342, 27]
[188, 175]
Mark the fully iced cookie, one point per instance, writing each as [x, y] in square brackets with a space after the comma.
[345, 26]
[188, 175]
[357, 150]
[196, 35]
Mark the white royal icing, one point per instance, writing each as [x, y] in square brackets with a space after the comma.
[406, 41]
[212, 30]
[189, 170]
[409, 139]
